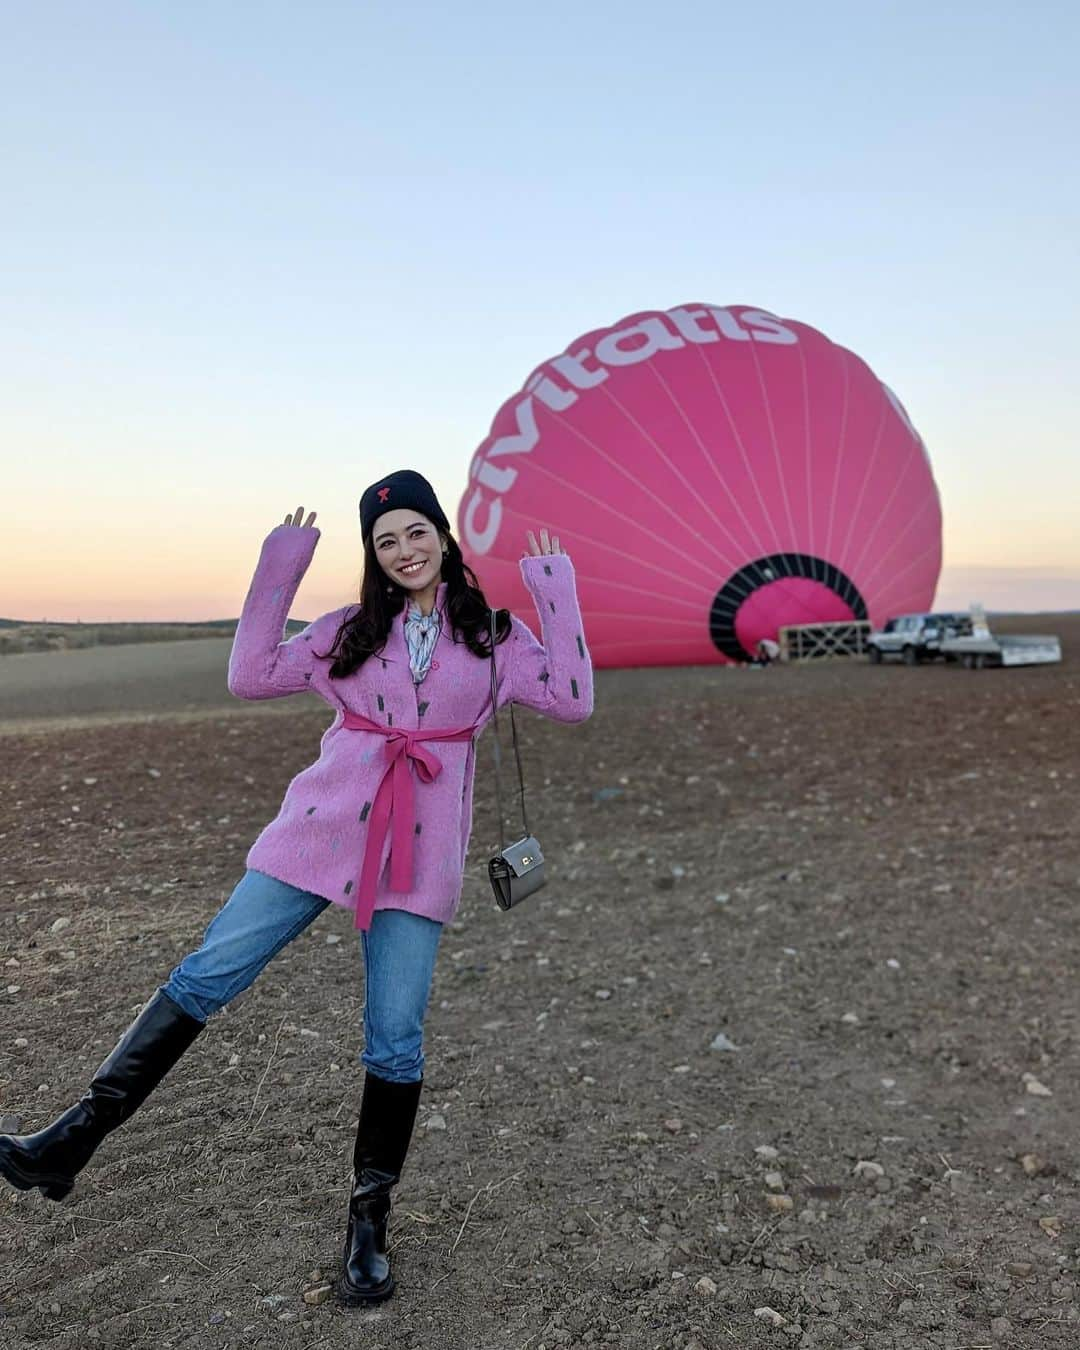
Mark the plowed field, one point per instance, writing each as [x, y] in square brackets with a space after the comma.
[866, 880]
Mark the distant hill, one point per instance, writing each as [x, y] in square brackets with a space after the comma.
[120, 623]
[17, 635]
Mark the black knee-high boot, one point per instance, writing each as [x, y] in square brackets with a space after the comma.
[147, 1051]
[387, 1115]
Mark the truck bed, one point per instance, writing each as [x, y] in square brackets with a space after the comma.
[1027, 649]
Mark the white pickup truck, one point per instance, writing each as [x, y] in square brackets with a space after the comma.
[915, 637]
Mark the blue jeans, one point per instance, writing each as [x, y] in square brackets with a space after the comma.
[263, 915]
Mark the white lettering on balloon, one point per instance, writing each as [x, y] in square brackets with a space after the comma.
[729, 325]
[482, 540]
[573, 367]
[766, 328]
[689, 324]
[501, 479]
[549, 393]
[627, 346]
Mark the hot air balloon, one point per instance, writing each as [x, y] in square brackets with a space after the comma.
[715, 474]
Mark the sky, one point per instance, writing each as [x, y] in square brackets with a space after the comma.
[257, 255]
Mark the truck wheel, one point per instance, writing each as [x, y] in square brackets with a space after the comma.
[911, 656]
[980, 661]
[874, 655]
[969, 660]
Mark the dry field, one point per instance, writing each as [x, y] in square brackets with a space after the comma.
[18, 637]
[864, 879]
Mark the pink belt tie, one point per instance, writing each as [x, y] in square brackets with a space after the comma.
[394, 802]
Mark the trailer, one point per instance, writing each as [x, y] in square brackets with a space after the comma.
[974, 653]
[980, 647]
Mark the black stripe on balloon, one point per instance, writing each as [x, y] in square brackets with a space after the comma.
[774, 567]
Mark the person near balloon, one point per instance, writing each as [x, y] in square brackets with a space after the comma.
[766, 652]
[379, 824]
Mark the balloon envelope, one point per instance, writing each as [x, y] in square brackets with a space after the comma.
[715, 474]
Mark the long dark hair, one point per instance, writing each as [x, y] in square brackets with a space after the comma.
[363, 633]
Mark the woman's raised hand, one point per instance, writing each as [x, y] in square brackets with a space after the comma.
[547, 544]
[297, 518]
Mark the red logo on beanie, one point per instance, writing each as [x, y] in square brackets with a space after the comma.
[383, 494]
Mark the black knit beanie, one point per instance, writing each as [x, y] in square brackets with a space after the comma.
[406, 490]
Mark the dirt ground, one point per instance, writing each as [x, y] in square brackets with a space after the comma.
[865, 879]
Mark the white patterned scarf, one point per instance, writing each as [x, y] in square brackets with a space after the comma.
[421, 634]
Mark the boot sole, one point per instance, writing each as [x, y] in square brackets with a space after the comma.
[52, 1187]
[353, 1298]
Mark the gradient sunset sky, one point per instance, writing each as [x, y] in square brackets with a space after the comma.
[257, 255]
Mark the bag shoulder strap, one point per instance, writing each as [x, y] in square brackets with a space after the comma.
[492, 629]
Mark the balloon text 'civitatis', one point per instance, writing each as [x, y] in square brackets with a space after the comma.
[559, 383]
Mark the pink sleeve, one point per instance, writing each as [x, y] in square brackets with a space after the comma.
[261, 665]
[553, 676]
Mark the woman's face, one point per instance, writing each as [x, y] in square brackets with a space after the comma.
[409, 550]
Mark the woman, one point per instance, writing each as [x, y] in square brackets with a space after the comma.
[379, 824]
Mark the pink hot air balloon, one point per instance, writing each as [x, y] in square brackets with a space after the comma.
[715, 474]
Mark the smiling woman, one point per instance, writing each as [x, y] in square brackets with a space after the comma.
[409, 551]
[414, 566]
[379, 824]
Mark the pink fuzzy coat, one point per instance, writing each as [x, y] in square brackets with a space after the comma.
[317, 840]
